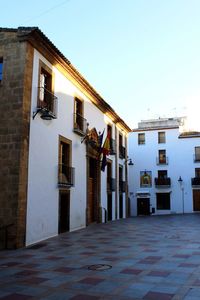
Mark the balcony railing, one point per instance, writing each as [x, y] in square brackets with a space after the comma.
[65, 176]
[197, 157]
[112, 147]
[111, 184]
[195, 181]
[122, 151]
[47, 102]
[162, 160]
[80, 124]
[122, 186]
[162, 182]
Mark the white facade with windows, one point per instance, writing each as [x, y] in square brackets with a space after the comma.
[62, 187]
[165, 177]
[74, 108]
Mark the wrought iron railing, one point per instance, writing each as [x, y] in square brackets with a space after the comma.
[80, 124]
[166, 182]
[65, 175]
[47, 101]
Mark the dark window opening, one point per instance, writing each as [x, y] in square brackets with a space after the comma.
[163, 201]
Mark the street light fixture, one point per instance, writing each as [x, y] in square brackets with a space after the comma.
[180, 181]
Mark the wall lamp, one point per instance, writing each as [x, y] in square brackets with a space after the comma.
[180, 180]
[130, 162]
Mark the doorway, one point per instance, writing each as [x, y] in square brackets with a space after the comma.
[64, 211]
[143, 206]
[109, 206]
[92, 191]
[196, 200]
[120, 205]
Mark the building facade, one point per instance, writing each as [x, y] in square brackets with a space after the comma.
[165, 178]
[51, 126]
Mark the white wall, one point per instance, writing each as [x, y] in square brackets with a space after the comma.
[180, 163]
[43, 193]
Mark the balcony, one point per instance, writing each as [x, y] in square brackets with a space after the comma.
[80, 124]
[195, 181]
[111, 184]
[162, 182]
[162, 160]
[122, 151]
[65, 176]
[122, 186]
[47, 103]
[197, 157]
[112, 147]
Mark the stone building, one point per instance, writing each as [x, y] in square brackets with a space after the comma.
[50, 163]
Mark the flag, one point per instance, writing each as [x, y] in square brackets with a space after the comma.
[105, 151]
[106, 146]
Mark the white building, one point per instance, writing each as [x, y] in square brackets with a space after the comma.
[57, 180]
[165, 178]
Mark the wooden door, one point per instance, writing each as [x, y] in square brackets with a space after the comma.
[64, 211]
[196, 200]
[91, 201]
[143, 206]
[109, 206]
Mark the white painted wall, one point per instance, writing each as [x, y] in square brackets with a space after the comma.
[180, 155]
[43, 193]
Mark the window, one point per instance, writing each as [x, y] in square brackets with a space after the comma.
[46, 99]
[162, 157]
[197, 172]
[197, 154]
[65, 171]
[141, 138]
[121, 182]
[112, 141]
[79, 121]
[121, 148]
[161, 137]
[163, 201]
[1, 68]
[162, 174]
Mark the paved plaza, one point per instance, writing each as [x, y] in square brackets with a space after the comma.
[152, 258]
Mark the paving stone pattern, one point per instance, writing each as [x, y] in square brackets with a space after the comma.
[152, 258]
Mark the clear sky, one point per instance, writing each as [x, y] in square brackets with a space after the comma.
[142, 56]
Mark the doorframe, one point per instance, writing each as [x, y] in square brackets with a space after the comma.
[91, 153]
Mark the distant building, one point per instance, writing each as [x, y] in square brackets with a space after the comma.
[165, 178]
[50, 164]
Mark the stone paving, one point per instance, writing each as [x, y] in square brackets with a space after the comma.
[151, 258]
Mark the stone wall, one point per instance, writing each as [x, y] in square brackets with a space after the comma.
[15, 100]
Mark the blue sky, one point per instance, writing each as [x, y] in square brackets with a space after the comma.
[142, 56]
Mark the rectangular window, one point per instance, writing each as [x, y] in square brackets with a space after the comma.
[141, 138]
[79, 121]
[197, 153]
[161, 137]
[66, 172]
[163, 201]
[46, 100]
[1, 68]
[112, 141]
[197, 172]
[162, 157]
[121, 148]
[162, 174]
